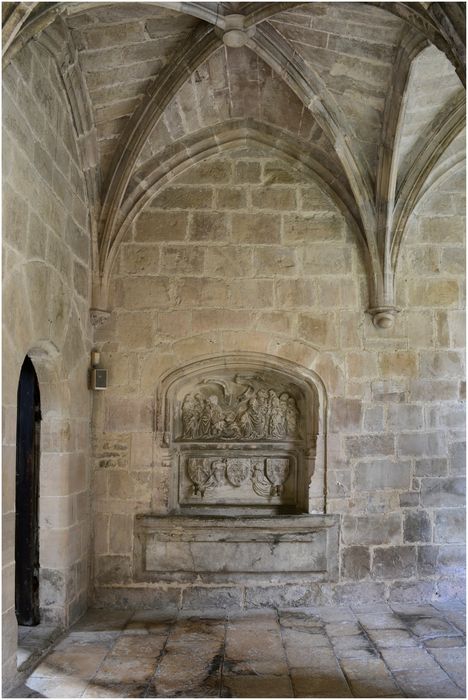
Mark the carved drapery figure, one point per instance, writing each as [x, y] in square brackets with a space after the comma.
[262, 414]
[190, 417]
[276, 423]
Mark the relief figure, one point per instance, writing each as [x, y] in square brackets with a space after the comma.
[204, 426]
[217, 417]
[260, 415]
[276, 422]
[231, 429]
[190, 417]
[253, 419]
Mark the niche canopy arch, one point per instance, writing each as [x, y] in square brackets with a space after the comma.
[243, 434]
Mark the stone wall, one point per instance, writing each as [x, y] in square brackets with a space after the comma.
[46, 256]
[242, 253]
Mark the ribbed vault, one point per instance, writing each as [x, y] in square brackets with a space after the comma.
[368, 97]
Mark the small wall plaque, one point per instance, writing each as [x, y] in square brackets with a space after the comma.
[98, 379]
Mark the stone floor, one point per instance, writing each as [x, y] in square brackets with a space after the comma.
[32, 641]
[377, 651]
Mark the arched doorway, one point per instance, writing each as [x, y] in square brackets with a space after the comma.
[27, 497]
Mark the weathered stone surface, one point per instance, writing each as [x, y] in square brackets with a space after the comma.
[449, 525]
[457, 458]
[113, 568]
[317, 329]
[280, 596]
[417, 527]
[255, 228]
[319, 260]
[182, 259]
[443, 492]
[135, 328]
[276, 260]
[129, 414]
[346, 415]
[430, 467]
[452, 559]
[441, 364]
[199, 598]
[371, 529]
[382, 474]
[273, 198]
[398, 364]
[370, 445]
[355, 563]
[247, 172]
[427, 559]
[388, 391]
[210, 172]
[133, 597]
[422, 444]
[155, 226]
[361, 365]
[434, 293]
[394, 562]
[145, 292]
[409, 499]
[435, 390]
[295, 293]
[306, 228]
[231, 198]
[443, 228]
[208, 226]
[404, 417]
[184, 198]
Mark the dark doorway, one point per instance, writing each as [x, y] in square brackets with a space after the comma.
[27, 497]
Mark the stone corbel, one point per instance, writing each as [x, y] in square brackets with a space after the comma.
[99, 317]
[383, 316]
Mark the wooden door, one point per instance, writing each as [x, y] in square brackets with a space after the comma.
[27, 497]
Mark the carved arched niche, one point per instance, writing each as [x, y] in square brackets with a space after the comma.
[243, 434]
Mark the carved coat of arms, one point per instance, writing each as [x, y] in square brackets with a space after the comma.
[237, 471]
[200, 473]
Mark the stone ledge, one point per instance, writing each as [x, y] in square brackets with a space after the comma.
[277, 549]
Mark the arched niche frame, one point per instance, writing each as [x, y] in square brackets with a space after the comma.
[242, 433]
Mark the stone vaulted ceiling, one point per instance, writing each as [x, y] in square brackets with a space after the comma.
[368, 97]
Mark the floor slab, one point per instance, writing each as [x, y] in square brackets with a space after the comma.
[374, 651]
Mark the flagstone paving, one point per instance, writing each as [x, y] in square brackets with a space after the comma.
[379, 651]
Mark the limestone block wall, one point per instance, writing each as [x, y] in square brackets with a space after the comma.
[46, 256]
[242, 253]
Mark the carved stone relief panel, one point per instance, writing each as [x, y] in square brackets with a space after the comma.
[240, 435]
[242, 407]
[238, 478]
